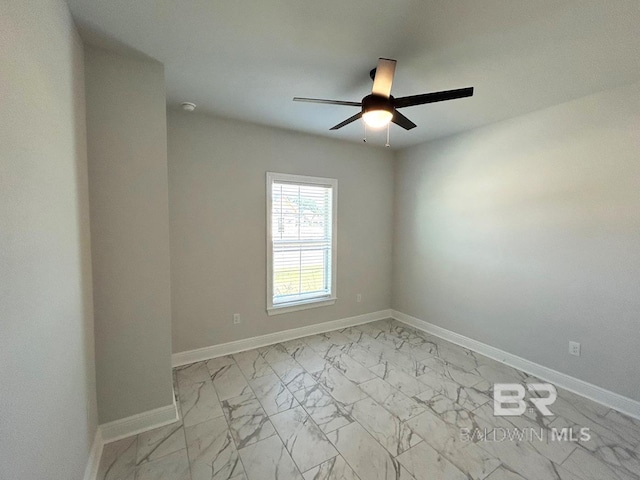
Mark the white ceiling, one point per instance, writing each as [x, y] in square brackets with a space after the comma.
[246, 59]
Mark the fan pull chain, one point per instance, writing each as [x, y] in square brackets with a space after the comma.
[387, 144]
[365, 131]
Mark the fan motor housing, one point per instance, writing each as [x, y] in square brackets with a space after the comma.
[377, 102]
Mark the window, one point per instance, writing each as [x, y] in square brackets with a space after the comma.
[301, 242]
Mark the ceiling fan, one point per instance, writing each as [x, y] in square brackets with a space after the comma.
[380, 107]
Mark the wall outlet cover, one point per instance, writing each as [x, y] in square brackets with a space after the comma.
[574, 348]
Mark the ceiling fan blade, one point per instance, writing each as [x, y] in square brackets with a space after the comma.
[347, 121]
[404, 122]
[328, 102]
[432, 97]
[384, 77]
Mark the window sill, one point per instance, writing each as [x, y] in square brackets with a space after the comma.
[301, 305]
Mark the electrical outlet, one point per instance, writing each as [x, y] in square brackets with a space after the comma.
[236, 318]
[574, 348]
[359, 297]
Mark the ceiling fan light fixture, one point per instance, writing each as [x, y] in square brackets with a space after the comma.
[377, 118]
[377, 111]
[380, 107]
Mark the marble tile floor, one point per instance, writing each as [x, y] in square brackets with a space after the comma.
[378, 401]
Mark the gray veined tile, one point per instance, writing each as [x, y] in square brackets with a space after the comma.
[303, 439]
[192, 373]
[215, 363]
[399, 379]
[199, 402]
[399, 329]
[427, 342]
[585, 403]
[242, 476]
[309, 359]
[373, 328]
[439, 385]
[415, 351]
[272, 394]
[322, 342]
[384, 325]
[485, 387]
[333, 469]
[425, 463]
[357, 352]
[450, 412]
[212, 453]
[400, 360]
[229, 382]
[352, 333]
[556, 451]
[118, 460]
[446, 439]
[619, 456]
[351, 369]
[174, 466]
[455, 390]
[392, 399]
[504, 473]
[383, 337]
[387, 429]
[291, 345]
[366, 456]
[247, 420]
[338, 386]
[159, 442]
[269, 460]
[511, 440]
[587, 467]
[387, 338]
[462, 357]
[418, 352]
[498, 373]
[564, 474]
[322, 408]
[368, 342]
[252, 364]
[521, 457]
[626, 426]
[588, 414]
[452, 372]
[293, 375]
[471, 398]
[387, 325]
[274, 353]
[632, 425]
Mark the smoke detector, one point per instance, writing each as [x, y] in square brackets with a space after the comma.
[188, 106]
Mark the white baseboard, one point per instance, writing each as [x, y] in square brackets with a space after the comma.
[598, 394]
[141, 422]
[200, 354]
[91, 472]
[126, 427]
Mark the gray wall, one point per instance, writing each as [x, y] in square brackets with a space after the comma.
[526, 234]
[47, 376]
[126, 134]
[218, 227]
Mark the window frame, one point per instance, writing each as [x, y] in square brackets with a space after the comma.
[317, 300]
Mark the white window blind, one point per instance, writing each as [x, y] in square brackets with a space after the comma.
[302, 240]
